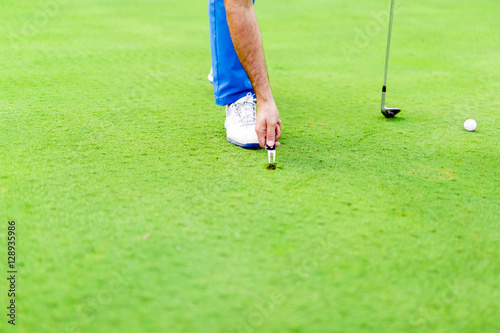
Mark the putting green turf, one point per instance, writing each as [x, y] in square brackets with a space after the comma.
[135, 215]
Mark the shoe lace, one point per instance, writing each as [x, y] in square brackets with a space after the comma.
[245, 109]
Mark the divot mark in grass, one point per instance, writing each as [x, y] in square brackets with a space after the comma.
[272, 166]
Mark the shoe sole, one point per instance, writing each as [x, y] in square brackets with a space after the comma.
[246, 145]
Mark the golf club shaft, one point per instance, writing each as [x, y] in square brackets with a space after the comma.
[388, 44]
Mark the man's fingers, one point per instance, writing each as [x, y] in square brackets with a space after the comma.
[278, 130]
[268, 128]
[261, 136]
[269, 135]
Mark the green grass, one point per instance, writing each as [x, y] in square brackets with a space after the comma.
[135, 215]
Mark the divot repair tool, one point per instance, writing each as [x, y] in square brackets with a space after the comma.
[271, 151]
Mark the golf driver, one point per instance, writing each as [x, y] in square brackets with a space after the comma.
[388, 112]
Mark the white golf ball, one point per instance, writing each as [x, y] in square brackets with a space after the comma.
[470, 125]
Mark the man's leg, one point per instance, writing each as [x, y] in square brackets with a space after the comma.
[230, 80]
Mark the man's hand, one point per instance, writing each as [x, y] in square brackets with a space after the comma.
[268, 125]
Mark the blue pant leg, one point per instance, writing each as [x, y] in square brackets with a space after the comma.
[231, 82]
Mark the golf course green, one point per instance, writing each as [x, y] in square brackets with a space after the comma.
[134, 214]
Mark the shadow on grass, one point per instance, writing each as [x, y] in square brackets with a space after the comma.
[394, 120]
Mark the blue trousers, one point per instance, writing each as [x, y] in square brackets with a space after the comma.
[231, 82]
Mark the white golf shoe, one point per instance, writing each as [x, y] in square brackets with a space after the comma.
[240, 122]
[210, 76]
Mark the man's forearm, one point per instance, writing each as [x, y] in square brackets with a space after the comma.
[247, 41]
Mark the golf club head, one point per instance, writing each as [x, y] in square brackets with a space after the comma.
[390, 112]
[387, 112]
